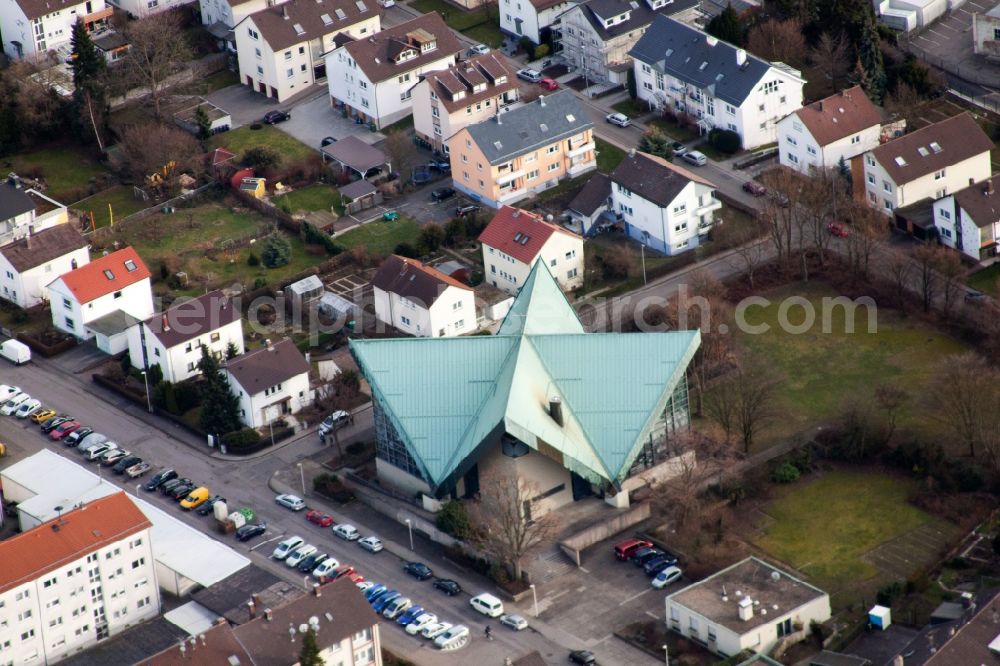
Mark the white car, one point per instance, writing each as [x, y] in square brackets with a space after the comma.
[435, 629]
[285, 548]
[326, 567]
[371, 543]
[478, 49]
[113, 455]
[27, 408]
[13, 403]
[387, 3]
[347, 532]
[515, 622]
[98, 450]
[530, 75]
[335, 421]
[396, 607]
[453, 635]
[695, 157]
[302, 552]
[666, 577]
[293, 502]
[365, 585]
[90, 440]
[619, 119]
[7, 392]
[420, 623]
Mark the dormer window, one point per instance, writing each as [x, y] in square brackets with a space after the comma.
[408, 54]
[427, 47]
[501, 80]
[479, 87]
[458, 95]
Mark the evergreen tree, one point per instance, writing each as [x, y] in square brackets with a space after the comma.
[277, 251]
[232, 351]
[656, 143]
[870, 57]
[727, 26]
[220, 409]
[204, 124]
[89, 96]
[309, 656]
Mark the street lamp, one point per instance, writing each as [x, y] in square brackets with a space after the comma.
[302, 477]
[642, 250]
[145, 380]
[409, 526]
[138, 486]
[666, 654]
[534, 596]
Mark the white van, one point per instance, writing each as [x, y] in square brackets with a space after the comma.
[487, 604]
[15, 351]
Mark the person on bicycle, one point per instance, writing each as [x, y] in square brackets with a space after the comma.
[489, 633]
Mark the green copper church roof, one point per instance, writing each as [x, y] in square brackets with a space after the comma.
[445, 395]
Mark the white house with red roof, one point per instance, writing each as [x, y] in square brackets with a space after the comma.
[105, 297]
[515, 239]
[421, 300]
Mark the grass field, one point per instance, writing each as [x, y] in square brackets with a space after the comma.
[824, 527]
[821, 370]
[986, 280]
[311, 198]
[608, 156]
[67, 170]
[476, 24]
[122, 204]
[244, 138]
[631, 108]
[381, 237]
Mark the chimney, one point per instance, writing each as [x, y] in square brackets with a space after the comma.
[252, 607]
[73, 264]
[820, 103]
[555, 409]
[27, 239]
[268, 615]
[255, 598]
[166, 323]
[746, 608]
[741, 57]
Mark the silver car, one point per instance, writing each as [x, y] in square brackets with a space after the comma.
[619, 119]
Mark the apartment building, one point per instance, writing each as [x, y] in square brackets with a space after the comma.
[469, 92]
[373, 78]
[221, 16]
[685, 70]
[144, 8]
[280, 49]
[32, 28]
[75, 580]
[526, 150]
[420, 300]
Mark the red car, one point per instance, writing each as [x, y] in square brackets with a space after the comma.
[318, 518]
[549, 84]
[837, 229]
[624, 549]
[64, 429]
[348, 571]
[754, 188]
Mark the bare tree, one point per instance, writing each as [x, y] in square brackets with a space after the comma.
[898, 269]
[868, 230]
[830, 57]
[748, 241]
[891, 398]
[778, 41]
[157, 49]
[904, 102]
[506, 526]
[682, 497]
[927, 279]
[743, 401]
[161, 150]
[963, 397]
[950, 273]
[780, 210]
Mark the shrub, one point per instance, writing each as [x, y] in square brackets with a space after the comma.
[253, 260]
[406, 250]
[887, 594]
[261, 157]
[241, 439]
[332, 487]
[277, 251]
[452, 519]
[355, 448]
[786, 472]
[259, 283]
[188, 396]
[314, 236]
[996, 544]
[430, 239]
[725, 141]
[616, 263]
[541, 51]
[526, 45]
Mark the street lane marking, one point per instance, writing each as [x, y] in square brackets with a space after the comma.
[636, 596]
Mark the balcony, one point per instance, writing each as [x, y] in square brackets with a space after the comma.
[581, 166]
[583, 148]
[710, 205]
[507, 176]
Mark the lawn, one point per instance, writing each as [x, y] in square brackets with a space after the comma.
[66, 170]
[477, 24]
[311, 198]
[608, 156]
[244, 138]
[673, 130]
[632, 108]
[824, 527]
[821, 370]
[122, 203]
[595, 248]
[381, 237]
[986, 280]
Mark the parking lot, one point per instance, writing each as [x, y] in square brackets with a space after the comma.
[947, 43]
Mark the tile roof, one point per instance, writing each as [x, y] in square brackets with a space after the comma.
[130, 646]
[38, 8]
[105, 275]
[13, 201]
[43, 246]
[839, 116]
[592, 195]
[78, 532]
[265, 367]
[340, 610]
[376, 55]
[548, 119]
[290, 23]
[217, 646]
[707, 63]
[192, 318]
[518, 233]
[542, 5]
[933, 147]
[229, 596]
[640, 14]
[413, 280]
[653, 178]
[971, 643]
[981, 201]
[491, 69]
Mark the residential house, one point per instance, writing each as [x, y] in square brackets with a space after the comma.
[986, 33]
[685, 70]
[270, 382]
[29, 264]
[830, 132]
[469, 92]
[173, 339]
[75, 580]
[280, 50]
[515, 240]
[25, 210]
[969, 219]
[373, 78]
[531, 18]
[144, 8]
[665, 207]
[220, 18]
[598, 35]
[30, 29]
[526, 150]
[117, 282]
[569, 412]
[750, 605]
[927, 164]
[421, 300]
[590, 206]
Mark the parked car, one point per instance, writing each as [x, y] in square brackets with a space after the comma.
[63, 430]
[339, 418]
[625, 549]
[286, 547]
[837, 229]
[435, 629]
[973, 296]
[295, 558]
[410, 614]
[478, 49]
[98, 450]
[90, 440]
[658, 564]
[13, 403]
[126, 463]
[275, 117]
[487, 604]
[111, 458]
[666, 577]
[174, 483]
[160, 478]
[74, 437]
[442, 165]
[347, 571]
[135, 471]
[384, 600]
[418, 570]
[374, 591]
[307, 565]
[529, 75]
[27, 408]
[371, 543]
[364, 585]
[387, 3]
[347, 532]
[754, 188]
[515, 622]
[583, 657]
[293, 502]
[643, 555]
[319, 518]
[420, 623]
[695, 157]
[195, 498]
[42, 414]
[325, 568]
[8, 391]
[182, 491]
[471, 209]
[49, 425]
[678, 148]
[448, 586]
[250, 531]
[619, 119]
[548, 84]
[453, 635]
[442, 193]
[396, 607]
[206, 507]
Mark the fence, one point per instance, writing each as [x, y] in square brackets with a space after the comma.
[145, 212]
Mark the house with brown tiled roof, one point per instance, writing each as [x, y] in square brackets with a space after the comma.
[422, 301]
[270, 382]
[372, 78]
[281, 49]
[820, 135]
[28, 265]
[469, 92]
[515, 240]
[969, 219]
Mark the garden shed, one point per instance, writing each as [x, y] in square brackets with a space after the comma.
[360, 195]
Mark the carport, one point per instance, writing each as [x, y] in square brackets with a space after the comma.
[353, 154]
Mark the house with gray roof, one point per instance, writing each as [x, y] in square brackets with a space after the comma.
[597, 35]
[270, 383]
[686, 71]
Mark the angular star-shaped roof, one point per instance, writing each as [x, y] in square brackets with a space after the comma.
[445, 395]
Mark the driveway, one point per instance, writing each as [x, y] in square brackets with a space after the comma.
[242, 104]
[313, 118]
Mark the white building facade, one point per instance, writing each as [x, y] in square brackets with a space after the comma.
[270, 383]
[32, 28]
[28, 265]
[969, 220]
[529, 18]
[144, 8]
[421, 300]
